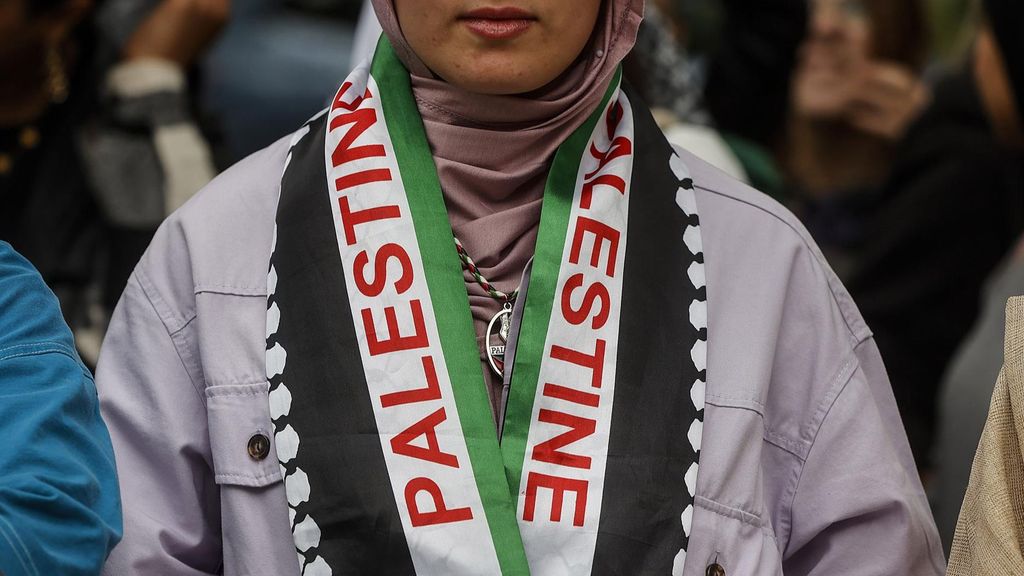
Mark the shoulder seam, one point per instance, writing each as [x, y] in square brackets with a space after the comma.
[173, 323]
[41, 348]
[32, 348]
[858, 336]
[753, 205]
[142, 281]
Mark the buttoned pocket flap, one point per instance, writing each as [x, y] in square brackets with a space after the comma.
[242, 435]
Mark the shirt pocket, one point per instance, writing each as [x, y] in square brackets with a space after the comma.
[242, 435]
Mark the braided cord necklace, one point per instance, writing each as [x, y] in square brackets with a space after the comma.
[472, 268]
[503, 319]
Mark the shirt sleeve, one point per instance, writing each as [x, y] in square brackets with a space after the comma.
[59, 507]
[859, 507]
[158, 425]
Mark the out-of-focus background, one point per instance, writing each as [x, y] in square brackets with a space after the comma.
[892, 128]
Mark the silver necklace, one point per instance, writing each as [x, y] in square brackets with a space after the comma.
[496, 337]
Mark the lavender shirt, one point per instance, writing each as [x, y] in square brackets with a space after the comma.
[805, 467]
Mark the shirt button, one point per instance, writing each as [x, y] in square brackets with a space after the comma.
[259, 447]
[715, 570]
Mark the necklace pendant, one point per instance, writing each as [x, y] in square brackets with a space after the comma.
[497, 337]
[506, 322]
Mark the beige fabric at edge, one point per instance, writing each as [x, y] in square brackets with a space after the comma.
[989, 536]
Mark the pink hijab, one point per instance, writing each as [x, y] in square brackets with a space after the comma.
[493, 152]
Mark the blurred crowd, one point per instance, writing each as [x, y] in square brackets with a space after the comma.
[892, 128]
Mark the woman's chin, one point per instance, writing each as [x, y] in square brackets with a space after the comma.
[497, 81]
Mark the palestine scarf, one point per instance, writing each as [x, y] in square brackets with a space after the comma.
[382, 423]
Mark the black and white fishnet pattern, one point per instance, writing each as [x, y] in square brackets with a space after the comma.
[698, 312]
[305, 530]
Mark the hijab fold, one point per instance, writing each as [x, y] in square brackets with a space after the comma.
[493, 152]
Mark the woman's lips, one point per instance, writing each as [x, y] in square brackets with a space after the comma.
[498, 23]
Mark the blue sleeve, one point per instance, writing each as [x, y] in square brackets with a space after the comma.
[60, 512]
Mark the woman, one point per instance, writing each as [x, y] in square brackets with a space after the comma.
[919, 307]
[85, 180]
[338, 407]
[855, 90]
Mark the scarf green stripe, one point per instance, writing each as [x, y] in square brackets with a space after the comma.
[451, 304]
[554, 228]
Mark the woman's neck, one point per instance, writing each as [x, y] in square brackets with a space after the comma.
[824, 158]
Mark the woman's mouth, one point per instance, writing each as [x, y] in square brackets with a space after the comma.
[498, 23]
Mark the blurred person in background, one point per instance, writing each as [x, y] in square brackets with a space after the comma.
[277, 63]
[989, 535]
[855, 91]
[998, 70]
[951, 209]
[668, 75]
[60, 512]
[717, 74]
[670, 80]
[45, 94]
[752, 50]
[94, 150]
